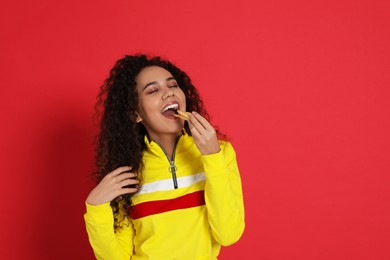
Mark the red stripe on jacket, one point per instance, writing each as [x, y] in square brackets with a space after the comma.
[148, 208]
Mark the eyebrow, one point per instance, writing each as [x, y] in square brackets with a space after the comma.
[155, 82]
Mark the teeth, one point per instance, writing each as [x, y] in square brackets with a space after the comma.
[173, 106]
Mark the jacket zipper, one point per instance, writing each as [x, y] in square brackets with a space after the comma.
[172, 167]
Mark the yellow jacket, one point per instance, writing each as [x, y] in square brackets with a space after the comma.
[185, 209]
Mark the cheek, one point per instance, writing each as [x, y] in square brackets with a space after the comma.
[181, 94]
[147, 108]
[141, 110]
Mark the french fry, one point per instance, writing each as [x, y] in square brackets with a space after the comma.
[181, 115]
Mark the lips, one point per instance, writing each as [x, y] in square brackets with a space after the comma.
[170, 106]
[169, 109]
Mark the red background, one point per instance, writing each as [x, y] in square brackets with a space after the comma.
[301, 87]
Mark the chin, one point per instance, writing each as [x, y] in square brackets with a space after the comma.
[176, 130]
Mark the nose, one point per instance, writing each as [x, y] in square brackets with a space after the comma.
[168, 93]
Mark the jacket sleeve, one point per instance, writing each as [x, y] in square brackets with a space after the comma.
[106, 243]
[223, 195]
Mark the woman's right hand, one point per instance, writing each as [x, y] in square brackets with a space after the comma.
[112, 186]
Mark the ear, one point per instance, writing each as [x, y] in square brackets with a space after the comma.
[139, 119]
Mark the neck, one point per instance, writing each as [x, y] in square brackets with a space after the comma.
[167, 142]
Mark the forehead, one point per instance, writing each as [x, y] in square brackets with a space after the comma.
[152, 73]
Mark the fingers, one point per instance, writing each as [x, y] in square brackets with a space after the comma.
[123, 184]
[120, 170]
[127, 191]
[205, 124]
[121, 173]
[125, 175]
[116, 183]
[200, 124]
[195, 123]
[121, 177]
[127, 182]
[204, 134]
[195, 126]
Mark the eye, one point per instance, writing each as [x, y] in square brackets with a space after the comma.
[152, 90]
[173, 86]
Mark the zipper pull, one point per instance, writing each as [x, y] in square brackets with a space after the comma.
[172, 169]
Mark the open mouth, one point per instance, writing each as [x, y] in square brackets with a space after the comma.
[170, 110]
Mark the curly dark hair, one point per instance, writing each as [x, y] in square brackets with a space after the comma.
[120, 140]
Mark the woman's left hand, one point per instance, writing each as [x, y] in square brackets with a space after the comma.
[204, 134]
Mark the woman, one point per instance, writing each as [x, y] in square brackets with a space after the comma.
[168, 188]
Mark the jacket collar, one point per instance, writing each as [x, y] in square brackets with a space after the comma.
[184, 142]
